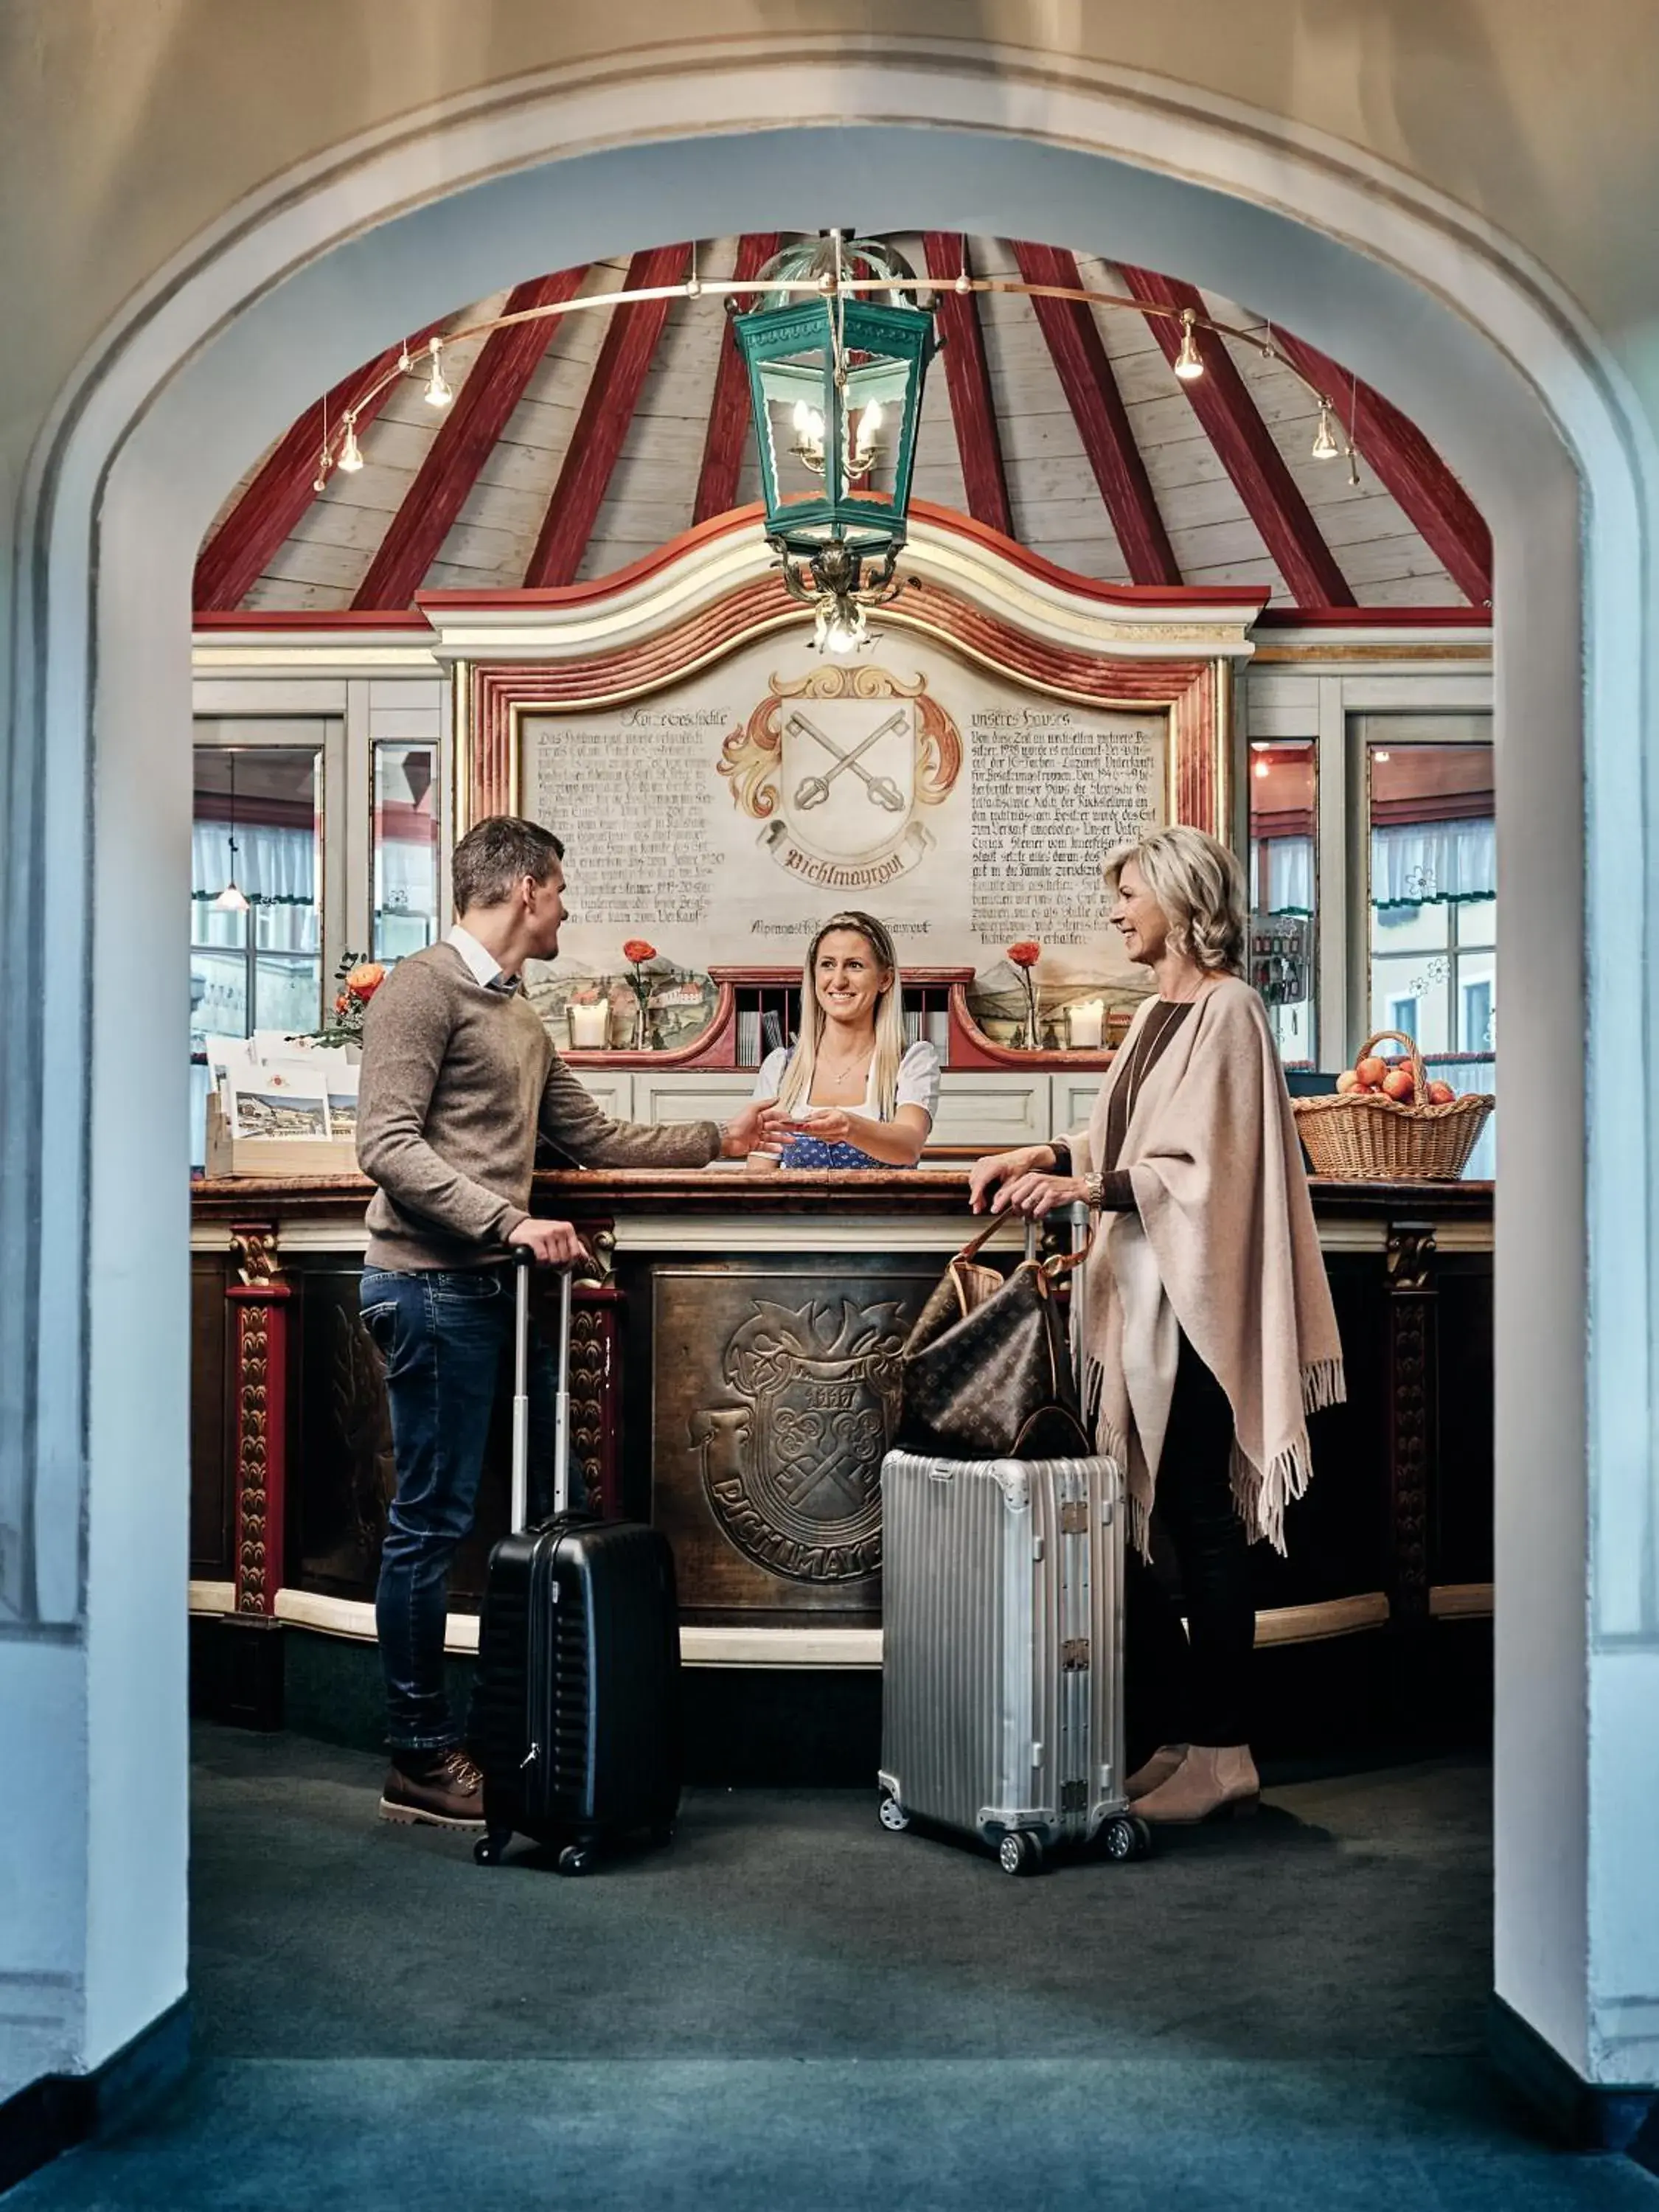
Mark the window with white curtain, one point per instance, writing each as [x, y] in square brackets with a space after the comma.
[1285, 891]
[1432, 896]
[256, 909]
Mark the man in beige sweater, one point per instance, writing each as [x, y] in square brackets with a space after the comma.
[459, 1077]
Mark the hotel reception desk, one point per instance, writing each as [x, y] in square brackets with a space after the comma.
[732, 1382]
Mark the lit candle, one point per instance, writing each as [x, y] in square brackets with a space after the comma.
[1084, 1020]
[590, 1026]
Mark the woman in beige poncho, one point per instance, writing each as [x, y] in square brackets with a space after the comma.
[1212, 1335]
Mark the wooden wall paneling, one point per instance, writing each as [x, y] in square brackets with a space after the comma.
[1080, 359]
[247, 541]
[1439, 508]
[967, 376]
[474, 421]
[1223, 405]
[613, 395]
[729, 420]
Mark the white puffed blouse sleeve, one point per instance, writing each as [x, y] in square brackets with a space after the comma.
[771, 1073]
[918, 1079]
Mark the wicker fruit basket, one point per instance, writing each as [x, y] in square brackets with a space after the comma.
[1361, 1137]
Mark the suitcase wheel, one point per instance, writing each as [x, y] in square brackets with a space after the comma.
[1020, 1852]
[1127, 1837]
[575, 1859]
[490, 1849]
[894, 1816]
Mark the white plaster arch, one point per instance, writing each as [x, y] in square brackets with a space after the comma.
[314, 273]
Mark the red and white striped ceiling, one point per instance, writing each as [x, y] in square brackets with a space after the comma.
[577, 445]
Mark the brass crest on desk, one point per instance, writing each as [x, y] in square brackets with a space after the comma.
[792, 1473]
[838, 764]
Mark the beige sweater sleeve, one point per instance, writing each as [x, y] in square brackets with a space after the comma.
[569, 1119]
[399, 1072]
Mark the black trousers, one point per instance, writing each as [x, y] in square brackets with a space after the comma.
[1191, 1687]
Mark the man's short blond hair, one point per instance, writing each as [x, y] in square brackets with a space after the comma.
[1200, 885]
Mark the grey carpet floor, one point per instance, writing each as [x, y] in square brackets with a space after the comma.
[794, 2009]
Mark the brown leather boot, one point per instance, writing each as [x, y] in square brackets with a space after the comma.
[1214, 1781]
[1158, 1768]
[442, 1790]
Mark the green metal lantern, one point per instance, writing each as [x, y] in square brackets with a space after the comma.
[835, 382]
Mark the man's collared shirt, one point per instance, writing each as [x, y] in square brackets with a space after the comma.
[483, 963]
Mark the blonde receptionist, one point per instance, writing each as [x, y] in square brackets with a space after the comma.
[849, 1092]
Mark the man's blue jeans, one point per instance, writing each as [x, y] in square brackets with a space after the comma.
[446, 1339]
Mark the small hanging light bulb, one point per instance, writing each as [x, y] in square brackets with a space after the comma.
[802, 418]
[1189, 363]
[437, 392]
[1325, 445]
[230, 900]
[351, 453]
[870, 422]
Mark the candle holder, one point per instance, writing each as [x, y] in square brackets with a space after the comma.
[1086, 1023]
[590, 1025]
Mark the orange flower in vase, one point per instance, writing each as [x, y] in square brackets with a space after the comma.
[636, 951]
[1025, 955]
[365, 979]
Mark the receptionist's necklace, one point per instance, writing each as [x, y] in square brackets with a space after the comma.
[833, 1078]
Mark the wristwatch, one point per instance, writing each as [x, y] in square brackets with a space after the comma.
[1094, 1192]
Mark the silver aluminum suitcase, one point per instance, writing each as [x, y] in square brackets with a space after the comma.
[1002, 1695]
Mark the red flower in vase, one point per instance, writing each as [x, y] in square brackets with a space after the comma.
[1025, 955]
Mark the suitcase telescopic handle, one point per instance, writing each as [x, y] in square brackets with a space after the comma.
[523, 1260]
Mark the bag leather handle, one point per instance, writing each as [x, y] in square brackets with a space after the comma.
[1054, 1268]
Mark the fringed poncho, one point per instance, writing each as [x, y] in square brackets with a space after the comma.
[1221, 1244]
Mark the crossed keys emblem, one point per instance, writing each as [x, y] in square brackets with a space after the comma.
[813, 790]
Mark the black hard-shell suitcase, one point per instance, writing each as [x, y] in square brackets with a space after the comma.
[577, 1714]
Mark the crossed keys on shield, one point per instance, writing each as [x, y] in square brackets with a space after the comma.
[813, 790]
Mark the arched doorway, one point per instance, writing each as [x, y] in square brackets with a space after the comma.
[224, 349]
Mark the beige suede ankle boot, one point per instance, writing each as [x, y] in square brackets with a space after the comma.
[1158, 1768]
[1213, 1781]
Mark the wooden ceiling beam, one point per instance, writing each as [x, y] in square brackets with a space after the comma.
[248, 539]
[476, 419]
[613, 393]
[967, 379]
[1085, 370]
[1221, 400]
[730, 426]
[1409, 470]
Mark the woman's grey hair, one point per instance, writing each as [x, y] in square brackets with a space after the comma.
[1200, 885]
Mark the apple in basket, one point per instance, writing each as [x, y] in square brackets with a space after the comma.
[1399, 1084]
[1370, 1072]
[1440, 1094]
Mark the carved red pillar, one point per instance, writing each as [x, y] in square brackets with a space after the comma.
[1412, 1408]
[595, 1399]
[259, 1303]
